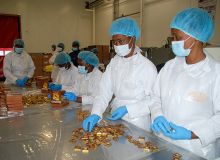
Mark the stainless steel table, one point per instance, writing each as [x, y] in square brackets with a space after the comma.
[43, 133]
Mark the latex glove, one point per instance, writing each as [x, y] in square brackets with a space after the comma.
[25, 79]
[70, 96]
[51, 85]
[55, 87]
[90, 122]
[49, 96]
[20, 83]
[118, 113]
[160, 124]
[179, 133]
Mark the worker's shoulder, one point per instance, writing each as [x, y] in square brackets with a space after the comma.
[215, 65]
[26, 54]
[145, 62]
[98, 72]
[114, 60]
[172, 62]
[9, 54]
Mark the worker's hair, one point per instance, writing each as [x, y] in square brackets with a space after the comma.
[68, 65]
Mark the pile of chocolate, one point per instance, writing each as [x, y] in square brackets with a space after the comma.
[86, 141]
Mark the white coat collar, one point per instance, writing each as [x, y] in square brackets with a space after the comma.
[88, 75]
[197, 69]
[18, 55]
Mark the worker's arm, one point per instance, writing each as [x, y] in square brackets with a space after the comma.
[155, 106]
[7, 69]
[88, 99]
[105, 92]
[52, 58]
[141, 108]
[208, 131]
[70, 84]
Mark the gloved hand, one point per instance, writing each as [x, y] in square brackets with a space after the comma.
[55, 87]
[70, 96]
[20, 83]
[160, 124]
[49, 96]
[118, 113]
[179, 133]
[51, 85]
[90, 122]
[25, 79]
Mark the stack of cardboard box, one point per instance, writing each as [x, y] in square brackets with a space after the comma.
[42, 83]
[14, 102]
[46, 57]
[40, 61]
[103, 53]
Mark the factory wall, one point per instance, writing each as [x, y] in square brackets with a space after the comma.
[44, 22]
[53, 21]
[157, 15]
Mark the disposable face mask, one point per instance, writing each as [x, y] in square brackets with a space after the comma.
[19, 50]
[75, 49]
[179, 50]
[59, 49]
[123, 50]
[82, 70]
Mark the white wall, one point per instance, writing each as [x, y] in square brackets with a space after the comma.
[157, 15]
[104, 18]
[44, 22]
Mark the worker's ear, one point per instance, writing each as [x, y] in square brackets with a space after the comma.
[132, 43]
[89, 67]
[134, 39]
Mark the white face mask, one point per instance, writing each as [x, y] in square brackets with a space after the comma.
[178, 48]
[123, 50]
[18, 50]
[59, 49]
[74, 49]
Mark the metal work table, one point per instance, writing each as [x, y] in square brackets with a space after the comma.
[43, 133]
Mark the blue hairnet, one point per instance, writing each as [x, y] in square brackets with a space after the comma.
[95, 50]
[125, 26]
[76, 43]
[195, 22]
[61, 45]
[89, 58]
[62, 58]
[19, 42]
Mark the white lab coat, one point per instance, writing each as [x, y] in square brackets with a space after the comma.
[87, 85]
[55, 67]
[131, 81]
[17, 66]
[67, 78]
[189, 96]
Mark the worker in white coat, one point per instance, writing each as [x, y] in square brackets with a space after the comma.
[129, 77]
[18, 65]
[186, 101]
[87, 83]
[60, 48]
[67, 74]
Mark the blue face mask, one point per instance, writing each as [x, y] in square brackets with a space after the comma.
[19, 50]
[75, 49]
[179, 50]
[82, 70]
